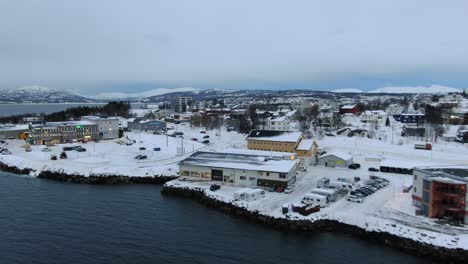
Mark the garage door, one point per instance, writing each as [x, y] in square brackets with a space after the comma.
[217, 175]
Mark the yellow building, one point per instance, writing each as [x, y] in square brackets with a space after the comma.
[274, 140]
[305, 148]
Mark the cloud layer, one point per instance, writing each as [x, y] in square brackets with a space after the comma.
[229, 43]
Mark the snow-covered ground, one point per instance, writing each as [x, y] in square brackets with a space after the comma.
[110, 158]
[387, 210]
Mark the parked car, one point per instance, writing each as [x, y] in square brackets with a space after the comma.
[142, 148]
[157, 149]
[355, 198]
[360, 192]
[6, 152]
[206, 141]
[46, 150]
[80, 149]
[373, 169]
[68, 148]
[63, 155]
[290, 189]
[206, 136]
[194, 139]
[141, 157]
[215, 187]
[203, 132]
[178, 133]
[53, 157]
[354, 166]
[2, 141]
[271, 189]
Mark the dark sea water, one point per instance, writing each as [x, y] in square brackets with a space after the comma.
[44, 221]
[18, 109]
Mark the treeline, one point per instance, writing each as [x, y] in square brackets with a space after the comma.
[74, 113]
[110, 109]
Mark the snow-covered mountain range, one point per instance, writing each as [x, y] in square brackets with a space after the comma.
[348, 90]
[40, 94]
[155, 92]
[433, 89]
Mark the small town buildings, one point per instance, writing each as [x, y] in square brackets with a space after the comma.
[305, 148]
[108, 127]
[281, 120]
[441, 192]
[413, 131]
[142, 124]
[182, 104]
[240, 169]
[335, 159]
[273, 140]
[350, 109]
[14, 131]
[410, 117]
[373, 116]
[33, 120]
[64, 132]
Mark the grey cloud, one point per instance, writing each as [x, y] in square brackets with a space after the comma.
[228, 41]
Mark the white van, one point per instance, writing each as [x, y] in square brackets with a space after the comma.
[342, 185]
[348, 180]
[249, 195]
[323, 182]
[315, 199]
[331, 194]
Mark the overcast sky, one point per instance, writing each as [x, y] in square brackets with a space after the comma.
[103, 45]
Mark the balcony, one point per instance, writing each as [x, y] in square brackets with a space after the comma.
[451, 191]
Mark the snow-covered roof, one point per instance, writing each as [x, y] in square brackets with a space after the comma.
[238, 161]
[348, 106]
[405, 164]
[339, 154]
[305, 144]
[13, 127]
[259, 152]
[277, 136]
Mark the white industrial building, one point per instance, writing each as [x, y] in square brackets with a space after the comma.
[335, 159]
[242, 169]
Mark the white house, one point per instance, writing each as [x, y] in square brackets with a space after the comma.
[108, 127]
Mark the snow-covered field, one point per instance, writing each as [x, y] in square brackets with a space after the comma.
[387, 210]
[110, 158]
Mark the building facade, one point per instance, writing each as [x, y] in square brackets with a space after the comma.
[146, 125]
[273, 140]
[441, 192]
[240, 169]
[64, 132]
[108, 127]
[182, 104]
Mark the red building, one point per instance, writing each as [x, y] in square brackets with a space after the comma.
[350, 109]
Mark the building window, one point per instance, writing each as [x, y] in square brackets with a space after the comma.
[267, 174]
[415, 177]
[242, 178]
[414, 189]
[251, 178]
[282, 175]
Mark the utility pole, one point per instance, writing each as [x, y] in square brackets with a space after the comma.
[182, 139]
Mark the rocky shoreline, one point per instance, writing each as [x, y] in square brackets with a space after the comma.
[92, 179]
[431, 252]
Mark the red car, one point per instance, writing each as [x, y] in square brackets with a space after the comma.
[194, 139]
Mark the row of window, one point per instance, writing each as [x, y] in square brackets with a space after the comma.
[272, 143]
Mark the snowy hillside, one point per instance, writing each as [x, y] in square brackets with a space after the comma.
[40, 94]
[155, 92]
[348, 90]
[433, 89]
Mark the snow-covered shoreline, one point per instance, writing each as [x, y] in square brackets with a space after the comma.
[320, 222]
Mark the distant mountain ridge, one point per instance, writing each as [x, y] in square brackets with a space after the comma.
[40, 94]
[433, 89]
[150, 93]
